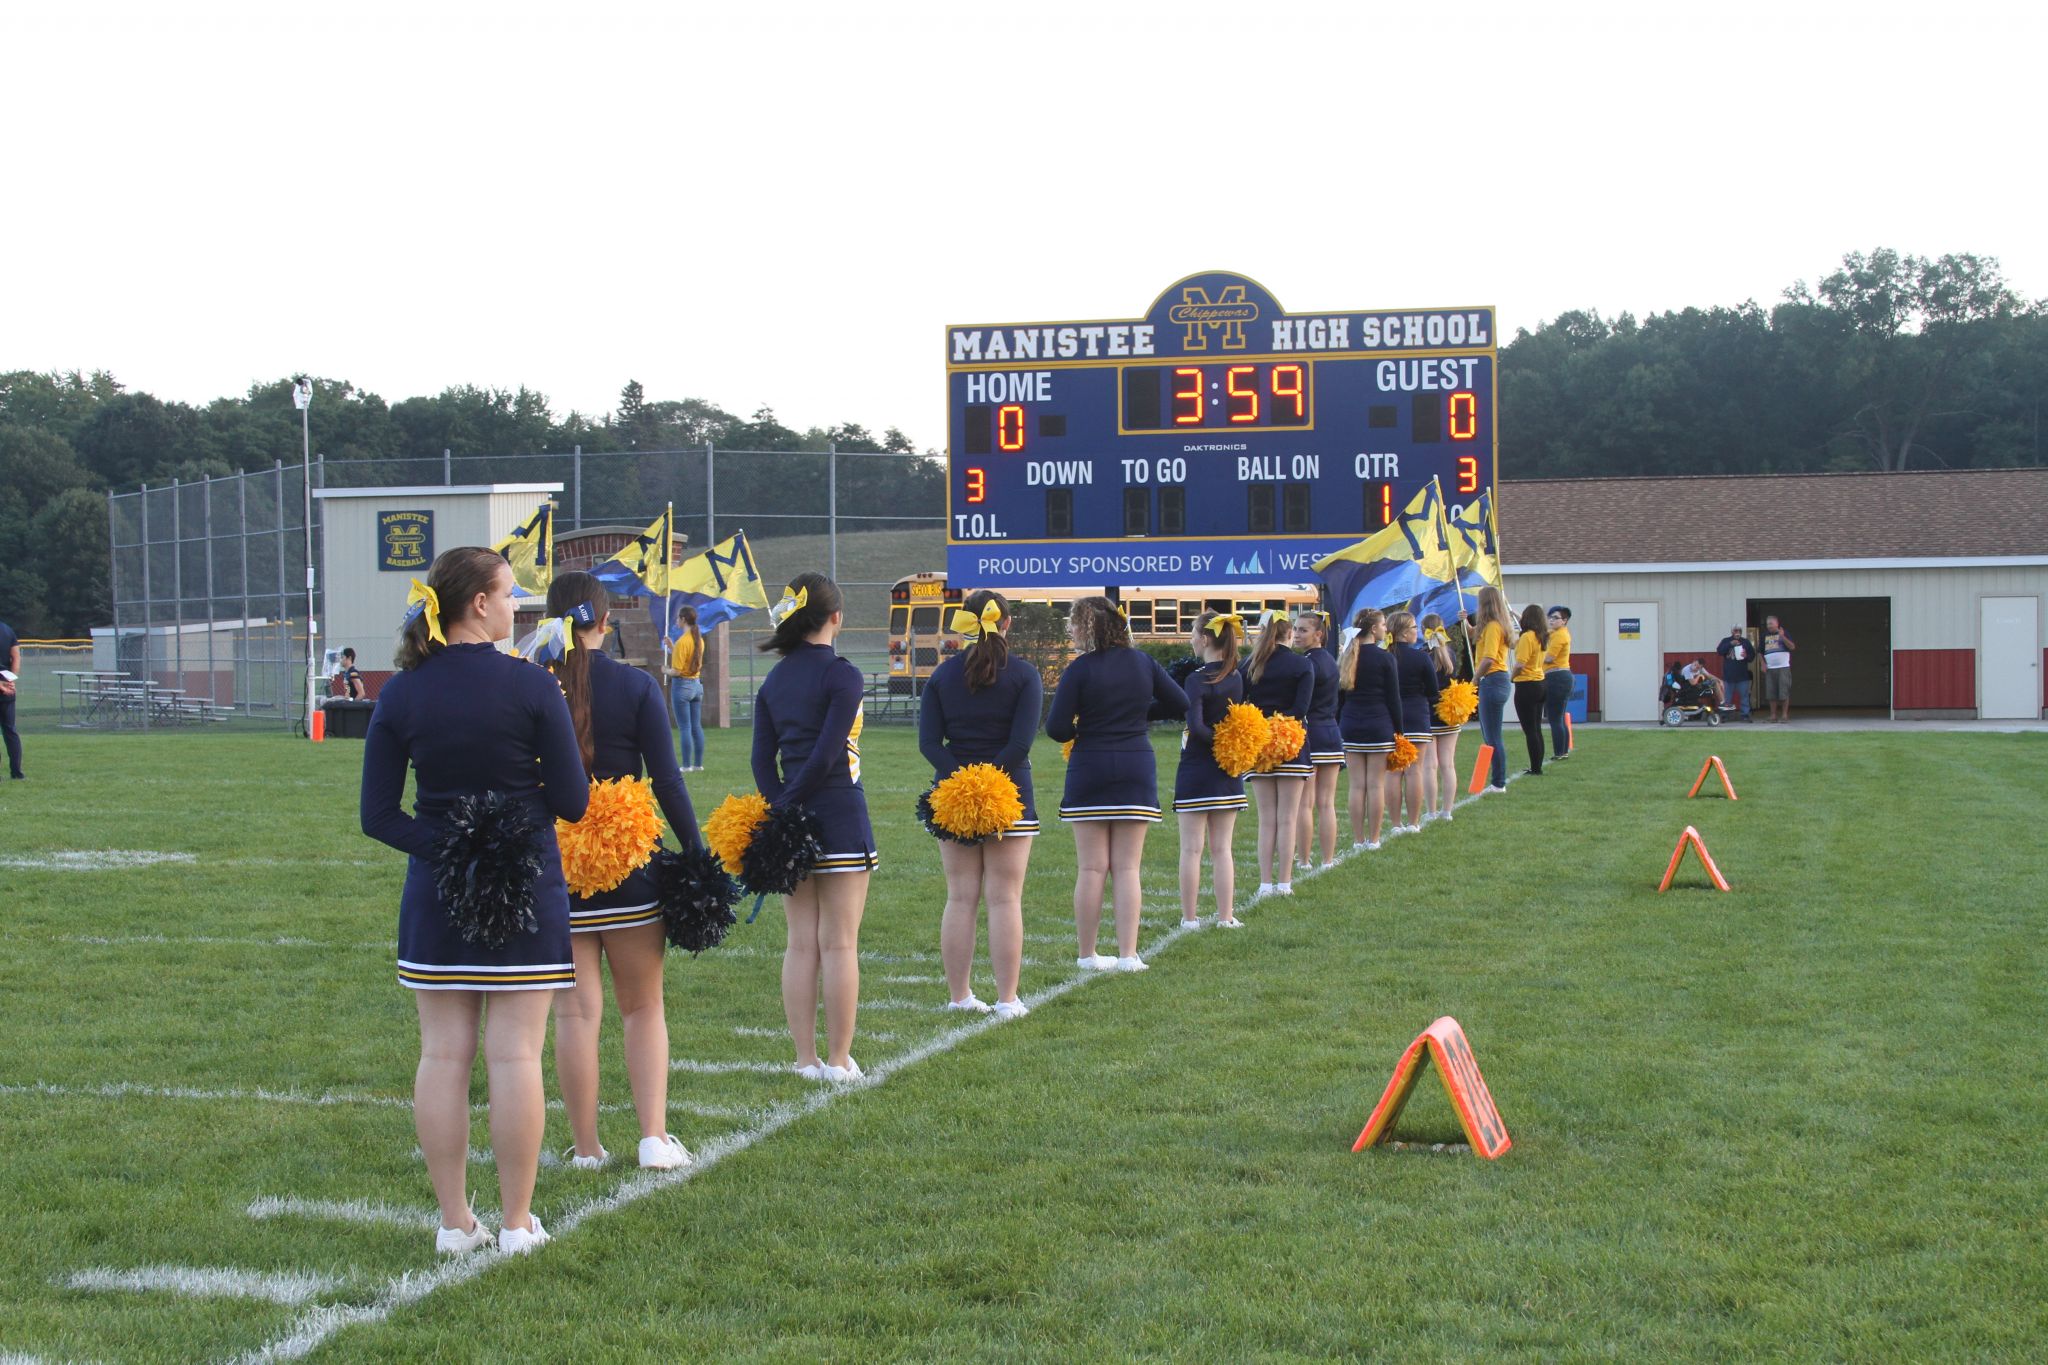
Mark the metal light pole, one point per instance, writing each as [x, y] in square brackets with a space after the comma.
[302, 399]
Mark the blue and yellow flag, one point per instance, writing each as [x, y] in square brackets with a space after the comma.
[721, 583]
[644, 565]
[1403, 560]
[1475, 550]
[530, 551]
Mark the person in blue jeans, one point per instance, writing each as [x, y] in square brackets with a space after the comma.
[1737, 654]
[686, 690]
[1496, 682]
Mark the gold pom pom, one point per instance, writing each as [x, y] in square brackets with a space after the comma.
[1288, 737]
[731, 828]
[1241, 736]
[1067, 751]
[618, 833]
[1404, 754]
[1457, 703]
[977, 801]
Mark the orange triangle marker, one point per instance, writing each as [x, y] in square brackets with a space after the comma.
[1714, 765]
[1479, 770]
[1692, 837]
[1444, 1041]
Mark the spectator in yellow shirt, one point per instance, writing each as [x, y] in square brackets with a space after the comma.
[686, 689]
[1529, 647]
[1557, 680]
[1490, 669]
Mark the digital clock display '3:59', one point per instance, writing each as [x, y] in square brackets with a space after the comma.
[1217, 397]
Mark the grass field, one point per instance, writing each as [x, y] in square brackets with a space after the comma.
[1802, 1120]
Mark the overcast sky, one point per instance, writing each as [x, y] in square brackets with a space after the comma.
[783, 204]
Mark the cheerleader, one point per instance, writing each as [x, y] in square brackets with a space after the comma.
[1325, 743]
[1443, 738]
[469, 720]
[1530, 647]
[620, 728]
[982, 706]
[1279, 682]
[808, 716]
[1206, 799]
[1490, 668]
[1368, 716]
[1416, 672]
[1102, 703]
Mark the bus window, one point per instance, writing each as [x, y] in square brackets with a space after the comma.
[1249, 610]
[924, 620]
[898, 618]
[1141, 617]
[1165, 616]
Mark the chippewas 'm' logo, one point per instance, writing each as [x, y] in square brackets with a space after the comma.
[405, 540]
[1225, 315]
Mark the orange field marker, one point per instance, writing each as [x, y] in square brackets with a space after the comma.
[1713, 764]
[1480, 769]
[1692, 837]
[319, 725]
[1571, 741]
[1444, 1041]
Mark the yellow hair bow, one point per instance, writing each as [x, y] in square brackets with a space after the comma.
[1269, 618]
[1124, 612]
[424, 599]
[1217, 624]
[794, 599]
[1436, 637]
[965, 622]
[553, 639]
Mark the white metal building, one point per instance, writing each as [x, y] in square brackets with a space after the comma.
[1913, 594]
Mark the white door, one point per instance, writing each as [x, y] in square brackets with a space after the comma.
[2009, 658]
[1632, 663]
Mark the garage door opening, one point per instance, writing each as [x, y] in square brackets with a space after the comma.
[1843, 662]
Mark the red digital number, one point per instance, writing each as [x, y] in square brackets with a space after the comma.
[1464, 416]
[977, 484]
[1232, 393]
[1468, 474]
[1386, 503]
[1191, 395]
[1285, 382]
[1010, 427]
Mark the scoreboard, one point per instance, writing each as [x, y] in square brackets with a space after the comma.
[1216, 439]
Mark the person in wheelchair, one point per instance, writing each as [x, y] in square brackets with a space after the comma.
[1690, 685]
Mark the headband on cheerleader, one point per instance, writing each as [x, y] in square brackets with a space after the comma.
[1219, 623]
[794, 600]
[553, 639]
[965, 622]
[422, 598]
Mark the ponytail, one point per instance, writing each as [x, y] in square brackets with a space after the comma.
[989, 655]
[1347, 667]
[576, 595]
[1269, 643]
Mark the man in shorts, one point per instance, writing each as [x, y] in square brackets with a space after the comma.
[1777, 649]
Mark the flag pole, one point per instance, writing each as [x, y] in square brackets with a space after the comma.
[668, 575]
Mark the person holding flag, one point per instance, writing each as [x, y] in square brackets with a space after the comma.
[686, 688]
[1490, 666]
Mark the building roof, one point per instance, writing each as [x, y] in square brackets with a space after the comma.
[1774, 518]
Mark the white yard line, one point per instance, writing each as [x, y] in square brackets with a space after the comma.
[208, 1282]
[95, 860]
[345, 1211]
[122, 1090]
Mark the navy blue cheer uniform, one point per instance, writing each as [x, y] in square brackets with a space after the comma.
[808, 712]
[1416, 673]
[1101, 703]
[958, 726]
[1287, 687]
[471, 720]
[1369, 715]
[1200, 784]
[1325, 741]
[629, 725]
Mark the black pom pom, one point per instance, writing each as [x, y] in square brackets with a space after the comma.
[783, 851]
[924, 817]
[487, 858]
[696, 895]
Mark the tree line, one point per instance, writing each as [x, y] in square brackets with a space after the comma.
[1891, 362]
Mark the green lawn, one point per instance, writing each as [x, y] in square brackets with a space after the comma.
[1802, 1120]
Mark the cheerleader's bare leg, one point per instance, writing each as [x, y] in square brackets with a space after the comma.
[440, 1095]
[579, 1016]
[1194, 827]
[1003, 864]
[842, 896]
[800, 964]
[635, 958]
[1127, 887]
[1291, 794]
[1223, 864]
[1266, 798]
[1091, 860]
[1319, 816]
[1376, 795]
[515, 1030]
[966, 872]
[1359, 778]
[1446, 747]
